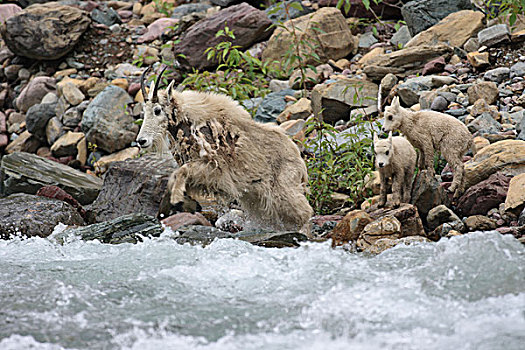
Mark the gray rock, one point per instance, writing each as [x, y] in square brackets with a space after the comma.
[521, 219]
[223, 3]
[449, 96]
[107, 16]
[50, 97]
[272, 105]
[484, 124]
[276, 12]
[134, 186]
[367, 39]
[25, 172]
[494, 35]
[440, 215]
[517, 70]
[401, 37]
[46, 31]
[72, 117]
[124, 229]
[37, 118]
[439, 104]
[410, 90]
[186, 9]
[521, 135]
[497, 75]
[25, 215]
[456, 112]
[106, 123]
[423, 14]
[34, 92]
[427, 193]
[278, 85]
[471, 45]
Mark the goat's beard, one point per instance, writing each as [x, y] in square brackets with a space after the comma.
[162, 146]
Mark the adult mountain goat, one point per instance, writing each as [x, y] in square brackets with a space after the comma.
[223, 152]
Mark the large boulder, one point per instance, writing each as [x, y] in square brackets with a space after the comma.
[25, 215]
[45, 31]
[334, 101]
[423, 14]
[405, 62]
[34, 92]
[134, 186]
[507, 157]
[427, 193]
[482, 197]
[326, 30]
[106, 123]
[25, 172]
[248, 24]
[406, 214]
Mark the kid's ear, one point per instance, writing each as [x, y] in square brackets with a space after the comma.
[390, 136]
[395, 102]
[375, 137]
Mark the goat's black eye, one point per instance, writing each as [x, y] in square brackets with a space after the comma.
[389, 117]
[387, 153]
[156, 111]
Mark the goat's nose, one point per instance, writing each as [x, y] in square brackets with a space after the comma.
[383, 130]
[142, 141]
[381, 165]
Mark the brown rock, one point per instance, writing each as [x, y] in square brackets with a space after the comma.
[55, 192]
[248, 24]
[384, 227]
[45, 31]
[404, 62]
[453, 30]
[478, 60]
[326, 29]
[507, 156]
[371, 55]
[66, 145]
[480, 223]
[482, 197]
[516, 194]
[184, 219]
[25, 142]
[349, 229]
[486, 90]
[102, 164]
[156, 29]
[481, 143]
[383, 244]
[408, 216]
[299, 110]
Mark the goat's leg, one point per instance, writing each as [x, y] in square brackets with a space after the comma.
[407, 185]
[383, 179]
[397, 188]
[459, 171]
[177, 183]
[427, 152]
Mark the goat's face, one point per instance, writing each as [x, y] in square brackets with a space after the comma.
[152, 134]
[392, 118]
[383, 151]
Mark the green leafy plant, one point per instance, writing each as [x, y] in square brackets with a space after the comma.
[504, 9]
[239, 74]
[164, 7]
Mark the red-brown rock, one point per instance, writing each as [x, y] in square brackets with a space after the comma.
[435, 66]
[349, 229]
[487, 194]
[184, 219]
[58, 193]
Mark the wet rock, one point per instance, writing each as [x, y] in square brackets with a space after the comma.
[406, 214]
[479, 223]
[404, 62]
[124, 229]
[233, 221]
[494, 35]
[45, 31]
[270, 239]
[482, 197]
[440, 215]
[427, 193]
[276, 12]
[517, 70]
[55, 192]
[401, 37]
[486, 90]
[272, 105]
[184, 219]
[249, 25]
[384, 227]
[134, 186]
[37, 118]
[515, 200]
[106, 123]
[350, 227]
[302, 109]
[66, 145]
[485, 123]
[156, 29]
[25, 172]
[506, 156]
[334, 100]
[326, 29]
[34, 92]
[497, 75]
[423, 14]
[383, 244]
[24, 215]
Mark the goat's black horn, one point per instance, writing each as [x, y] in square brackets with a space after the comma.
[154, 98]
[142, 87]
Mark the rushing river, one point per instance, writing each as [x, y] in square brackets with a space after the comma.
[464, 293]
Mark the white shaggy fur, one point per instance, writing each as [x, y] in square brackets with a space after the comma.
[395, 161]
[223, 152]
[431, 131]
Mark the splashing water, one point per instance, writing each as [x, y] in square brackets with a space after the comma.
[464, 293]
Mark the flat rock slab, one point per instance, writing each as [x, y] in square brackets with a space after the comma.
[25, 215]
[134, 186]
[26, 172]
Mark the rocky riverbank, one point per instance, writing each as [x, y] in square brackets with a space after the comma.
[70, 101]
